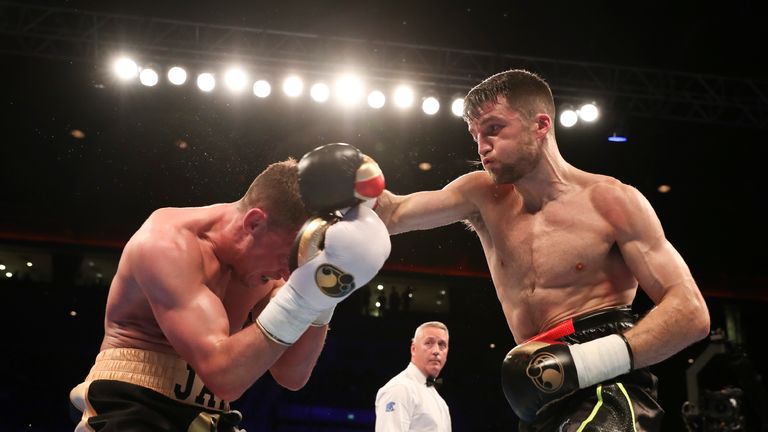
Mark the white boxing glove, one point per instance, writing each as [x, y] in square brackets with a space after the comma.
[356, 248]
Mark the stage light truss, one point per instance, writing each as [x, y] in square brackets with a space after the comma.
[70, 34]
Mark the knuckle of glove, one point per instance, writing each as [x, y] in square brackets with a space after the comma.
[309, 241]
[536, 374]
[359, 243]
[337, 175]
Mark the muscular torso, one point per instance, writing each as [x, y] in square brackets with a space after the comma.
[129, 321]
[551, 263]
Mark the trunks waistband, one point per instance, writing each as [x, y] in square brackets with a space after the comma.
[167, 374]
[602, 322]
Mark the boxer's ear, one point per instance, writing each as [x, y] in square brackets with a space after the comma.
[255, 220]
[543, 124]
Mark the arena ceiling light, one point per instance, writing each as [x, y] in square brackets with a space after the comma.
[430, 105]
[125, 68]
[349, 89]
[320, 92]
[235, 79]
[403, 96]
[177, 75]
[376, 99]
[589, 112]
[293, 86]
[206, 82]
[148, 77]
[568, 117]
[457, 106]
[262, 88]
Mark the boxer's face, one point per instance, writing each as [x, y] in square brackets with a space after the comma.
[429, 350]
[505, 141]
[268, 257]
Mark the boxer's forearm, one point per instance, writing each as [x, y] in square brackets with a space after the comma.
[229, 366]
[422, 210]
[680, 319]
[295, 366]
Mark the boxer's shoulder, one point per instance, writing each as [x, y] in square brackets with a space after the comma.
[616, 201]
[478, 184]
[603, 191]
[477, 178]
[158, 250]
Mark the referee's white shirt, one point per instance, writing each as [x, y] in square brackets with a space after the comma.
[405, 403]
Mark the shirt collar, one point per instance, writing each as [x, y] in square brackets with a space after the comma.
[415, 373]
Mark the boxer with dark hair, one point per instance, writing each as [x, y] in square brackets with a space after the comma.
[567, 250]
[178, 344]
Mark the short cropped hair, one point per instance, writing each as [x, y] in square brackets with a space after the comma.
[524, 91]
[276, 191]
[435, 324]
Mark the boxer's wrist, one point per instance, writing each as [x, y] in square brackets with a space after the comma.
[324, 318]
[601, 359]
[629, 351]
[286, 317]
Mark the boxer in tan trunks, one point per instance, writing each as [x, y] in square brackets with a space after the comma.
[178, 342]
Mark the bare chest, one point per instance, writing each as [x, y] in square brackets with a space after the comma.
[560, 246]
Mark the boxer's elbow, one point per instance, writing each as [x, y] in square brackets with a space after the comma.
[230, 393]
[701, 323]
[697, 319]
[291, 378]
[222, 380]
[225, 387]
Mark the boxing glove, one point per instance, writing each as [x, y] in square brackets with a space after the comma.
[308, 244]
[353, 250]
[336, 176]
[538, 373]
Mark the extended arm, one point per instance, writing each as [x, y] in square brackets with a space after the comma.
[431, 209]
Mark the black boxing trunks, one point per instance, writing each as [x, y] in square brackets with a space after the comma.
[625, 403]
[137, 390]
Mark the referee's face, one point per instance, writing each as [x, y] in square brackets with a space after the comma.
[429, 350]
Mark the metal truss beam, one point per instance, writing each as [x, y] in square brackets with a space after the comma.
[70, 34]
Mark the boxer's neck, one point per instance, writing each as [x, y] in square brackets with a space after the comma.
[551, 177]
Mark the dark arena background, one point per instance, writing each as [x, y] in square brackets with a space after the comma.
[86, 156]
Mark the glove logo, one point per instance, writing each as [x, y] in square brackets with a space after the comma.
[546, 372]
[333, 281]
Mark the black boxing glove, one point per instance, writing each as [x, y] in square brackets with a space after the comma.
[335, 176]
[536, 374]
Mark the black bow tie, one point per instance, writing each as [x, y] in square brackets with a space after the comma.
[434, 382]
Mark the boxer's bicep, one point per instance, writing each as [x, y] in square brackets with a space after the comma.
[191, 316]
[680, 316]
[654, 262]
